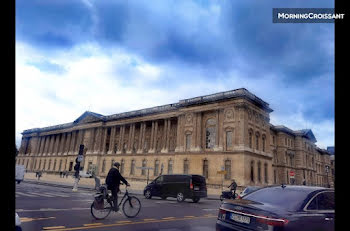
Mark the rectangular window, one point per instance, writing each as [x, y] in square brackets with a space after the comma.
[185, 166]
[229, 139]
[188, 141]
[205, 168]
[228, 170]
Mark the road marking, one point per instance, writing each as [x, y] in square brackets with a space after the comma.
[168, 218]
[54, 227]
[189, 216]
[57, 194]
[41, 194]
[149, 219]
[93, 224]
[122, 223]
[27, 219]
[25, 194]
[210, 209]
[48, 209]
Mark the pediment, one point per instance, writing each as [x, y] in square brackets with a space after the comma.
[88, 117]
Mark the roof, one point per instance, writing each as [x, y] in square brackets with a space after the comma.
[89, 116]
[307, 133]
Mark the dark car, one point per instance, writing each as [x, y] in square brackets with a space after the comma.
[286, 207]
[247, 190]
[180, 186]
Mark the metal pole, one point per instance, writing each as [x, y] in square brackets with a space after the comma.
[147, 175]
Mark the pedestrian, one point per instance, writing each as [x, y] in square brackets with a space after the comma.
[304, 182]
[66, 174]
[233, 187]
[39, 175]
[61, 174]
[113, 181]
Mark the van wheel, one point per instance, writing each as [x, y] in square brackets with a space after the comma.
[148, 194]
[196, 199]
[180, 197]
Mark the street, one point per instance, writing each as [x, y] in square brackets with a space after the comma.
[44, 207]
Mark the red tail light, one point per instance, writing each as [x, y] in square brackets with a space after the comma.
[191, 186]
[272, 221]
[222, 214]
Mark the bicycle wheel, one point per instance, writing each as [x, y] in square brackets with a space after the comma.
[100, 214]
[131, 206]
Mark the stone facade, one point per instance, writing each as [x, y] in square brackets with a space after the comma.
[203, 135]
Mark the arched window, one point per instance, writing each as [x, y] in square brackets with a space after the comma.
[186, 166]
[122, 164]
[210, 133]
[252, 171]
[263, 143]
[250, 138]
[156, 168]
[257, 136]
[228, 169]
[259, 171]
[205, 169]
[144, 164]
[132, 167]
[170, 166]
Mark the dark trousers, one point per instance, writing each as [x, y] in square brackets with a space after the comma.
[115, 197]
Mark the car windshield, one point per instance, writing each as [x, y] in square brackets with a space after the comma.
[287, 198]
[250, 189]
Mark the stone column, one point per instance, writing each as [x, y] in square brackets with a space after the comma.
[154, 137]
[121, 139]
[166, 134]
[131, 138]
[98, 141]
[72, 143]
[112, 141]
[179, 135]
[104, 140]
[68, 143]
[39, 145]
[62, 143]
[43, 151]
[55, 146]
[35, 149]
[141, 137]
[197, 136]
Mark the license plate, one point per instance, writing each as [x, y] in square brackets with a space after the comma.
[240, 219]
[196, 188]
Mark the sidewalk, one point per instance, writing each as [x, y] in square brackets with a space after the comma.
[87, 184]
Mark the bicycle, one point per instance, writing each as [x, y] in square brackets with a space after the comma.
[131, 204]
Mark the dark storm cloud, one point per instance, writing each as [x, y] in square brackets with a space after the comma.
[53, 24]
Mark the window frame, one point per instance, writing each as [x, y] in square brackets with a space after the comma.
[317, 210]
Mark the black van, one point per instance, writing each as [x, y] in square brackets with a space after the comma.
[180, 186]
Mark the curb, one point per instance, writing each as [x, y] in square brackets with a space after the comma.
[89, 188]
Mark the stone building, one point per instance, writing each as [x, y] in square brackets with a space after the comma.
[203, 135]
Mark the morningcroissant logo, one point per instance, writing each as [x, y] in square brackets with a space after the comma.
[305, 15]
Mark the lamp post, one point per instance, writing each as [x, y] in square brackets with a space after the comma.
[78, 160]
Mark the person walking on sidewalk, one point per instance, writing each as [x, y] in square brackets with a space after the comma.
[113, 181]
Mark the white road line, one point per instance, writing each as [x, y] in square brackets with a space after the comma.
[56, 194]
[25, 194]
[41, 194]
[48, 209]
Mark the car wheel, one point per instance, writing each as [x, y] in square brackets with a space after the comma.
[180, 197]
[163, 197]
[196, 199]
[148, 194]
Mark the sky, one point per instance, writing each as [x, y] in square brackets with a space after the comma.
[116, 56]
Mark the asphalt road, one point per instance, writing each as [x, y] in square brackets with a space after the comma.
[43, 207]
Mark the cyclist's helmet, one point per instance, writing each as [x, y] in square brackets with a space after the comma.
[117, 164]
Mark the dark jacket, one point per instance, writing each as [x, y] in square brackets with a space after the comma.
[113, 178]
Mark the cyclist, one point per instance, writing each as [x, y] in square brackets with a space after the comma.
[113, 181]
[233, 187]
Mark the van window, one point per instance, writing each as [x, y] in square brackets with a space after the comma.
[159, 180]
[198, 179]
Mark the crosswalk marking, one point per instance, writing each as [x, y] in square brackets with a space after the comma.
[56, 194]
[25, 194]
[41, 194]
